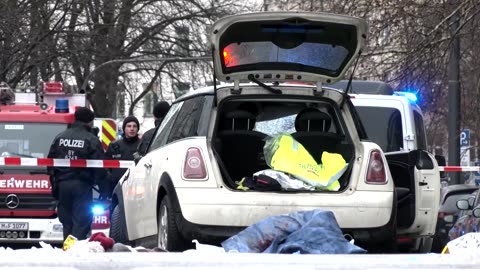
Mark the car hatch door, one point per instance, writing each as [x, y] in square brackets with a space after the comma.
[286, 46]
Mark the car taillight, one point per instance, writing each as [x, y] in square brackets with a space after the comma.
[376, 169]
[194, 166]
[403, 240]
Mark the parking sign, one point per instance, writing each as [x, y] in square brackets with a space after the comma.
[465, 137]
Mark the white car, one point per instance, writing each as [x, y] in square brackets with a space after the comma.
[274, 65]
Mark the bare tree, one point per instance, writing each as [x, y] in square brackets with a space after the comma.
[99, 31]
[28, 31]
[408, 46]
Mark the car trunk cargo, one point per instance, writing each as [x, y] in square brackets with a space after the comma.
[244, 126]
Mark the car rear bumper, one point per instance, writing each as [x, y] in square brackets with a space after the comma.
[368, 220]
[359, 209]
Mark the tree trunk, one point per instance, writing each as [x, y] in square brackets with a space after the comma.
[106, 84]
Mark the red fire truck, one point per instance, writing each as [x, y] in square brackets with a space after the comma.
[28, 125]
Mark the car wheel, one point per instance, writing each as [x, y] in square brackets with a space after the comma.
[169, 237]
[118, 229]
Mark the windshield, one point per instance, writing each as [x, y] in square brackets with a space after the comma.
[28, 139]
[383, 126]
[276, 119]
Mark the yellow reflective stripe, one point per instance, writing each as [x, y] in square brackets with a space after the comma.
[105, 139]
[108, 128]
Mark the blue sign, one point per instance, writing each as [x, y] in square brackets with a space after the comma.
[465, 137]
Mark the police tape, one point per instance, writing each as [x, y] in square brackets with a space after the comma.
[96, 163]
[459, 168]
[74, 163]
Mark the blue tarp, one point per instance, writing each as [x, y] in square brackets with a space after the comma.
[305, 232]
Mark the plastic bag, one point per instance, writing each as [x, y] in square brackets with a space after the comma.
[286, 181]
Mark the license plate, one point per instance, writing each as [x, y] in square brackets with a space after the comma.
[13, 226]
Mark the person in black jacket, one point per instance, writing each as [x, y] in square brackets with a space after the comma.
[159, 111]
[72, 187]
[124, 148]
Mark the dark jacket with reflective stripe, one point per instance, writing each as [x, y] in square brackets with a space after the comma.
[77, 142]
[122, 149]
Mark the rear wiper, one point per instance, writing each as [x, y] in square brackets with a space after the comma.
[269, 88]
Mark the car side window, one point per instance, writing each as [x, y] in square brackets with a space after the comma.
[420, 131]
[395, 132]
[186, 124]
[163, 131]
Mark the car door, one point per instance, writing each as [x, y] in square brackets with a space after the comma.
[427, 192]
[183, 126]
[427, 179]
[136, 186]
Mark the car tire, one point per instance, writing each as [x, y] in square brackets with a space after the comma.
[169, 237]
[118, 229]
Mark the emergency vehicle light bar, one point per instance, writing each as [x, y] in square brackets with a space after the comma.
[53, 87]
[410, 95]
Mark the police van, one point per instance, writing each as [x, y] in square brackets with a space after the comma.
[394, 121]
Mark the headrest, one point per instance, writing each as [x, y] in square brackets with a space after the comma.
[238, 120]
[312, 119]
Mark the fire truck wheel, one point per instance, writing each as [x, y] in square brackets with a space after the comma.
[169, 237]
[118, 230]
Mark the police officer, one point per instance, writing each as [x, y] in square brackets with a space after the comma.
[159, 111]
[123, 148]
[73, 186]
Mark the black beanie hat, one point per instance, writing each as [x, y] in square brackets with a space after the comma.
[84, 114]
[129, 119]
[161, 109]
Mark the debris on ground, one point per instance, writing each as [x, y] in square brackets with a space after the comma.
[303, 232]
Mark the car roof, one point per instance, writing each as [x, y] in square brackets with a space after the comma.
[209, 90]
[365, 87]
[460, 188]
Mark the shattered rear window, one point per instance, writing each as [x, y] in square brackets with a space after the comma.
[316, 55]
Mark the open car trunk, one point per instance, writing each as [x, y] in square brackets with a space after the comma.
[245, 124]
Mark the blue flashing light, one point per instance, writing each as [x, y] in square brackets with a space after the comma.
[98, 210]
[411, 96]
[61, 106]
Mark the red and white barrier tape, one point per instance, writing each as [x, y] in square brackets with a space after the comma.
[459, 168]
[92, 163]
[75, 163]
